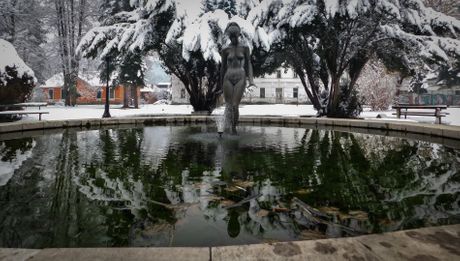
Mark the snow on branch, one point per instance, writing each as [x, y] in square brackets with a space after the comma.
[207, 35]
[428, 46]
[128, 31]
[10, 58]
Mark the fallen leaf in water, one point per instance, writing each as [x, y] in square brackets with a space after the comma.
[311, 234]
[262, 213]
[212, 197]
[280, 209]
[330, 210]
[303, 191]
[243, 183]
[343, 216]
[270, 240]
[227, 203]
[360, 215]
[232, 189]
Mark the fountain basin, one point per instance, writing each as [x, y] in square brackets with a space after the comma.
[155, 183]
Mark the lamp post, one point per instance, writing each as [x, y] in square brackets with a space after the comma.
[107, 92]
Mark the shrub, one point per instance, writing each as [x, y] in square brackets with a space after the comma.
[15, 88]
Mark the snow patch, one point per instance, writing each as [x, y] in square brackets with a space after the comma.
[9, 58]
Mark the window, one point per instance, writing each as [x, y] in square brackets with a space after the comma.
[295, 93]
[457, 92]
[182, 94]
[278, 74]
[279, 94]
[262, 93]
[62, 94]
[296, 75]
[51, 94]
[112, 93]
[99, 94]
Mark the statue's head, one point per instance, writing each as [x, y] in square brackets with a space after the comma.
[233, 31]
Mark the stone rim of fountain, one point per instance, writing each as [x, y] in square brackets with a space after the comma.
[298, 250]
[432, 130]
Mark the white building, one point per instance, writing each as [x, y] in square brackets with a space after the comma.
[178, 93]
[284, 86]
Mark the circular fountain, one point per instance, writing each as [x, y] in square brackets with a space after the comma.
[172, 181]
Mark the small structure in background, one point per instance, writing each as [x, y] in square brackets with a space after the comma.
[436, 91]
[90, 88]
[281, 87]
[153, 93]
[179, 94]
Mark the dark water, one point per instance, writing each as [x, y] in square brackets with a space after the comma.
[183, 186]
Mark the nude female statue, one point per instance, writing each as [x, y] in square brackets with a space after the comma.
[236, 66]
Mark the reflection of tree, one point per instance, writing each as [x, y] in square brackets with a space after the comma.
[120, 180]
[114, 188]
[396, 182]
[41, 205]
[10, 148]
[13, 153]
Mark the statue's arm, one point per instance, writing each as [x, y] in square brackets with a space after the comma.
[249, 70]
[223, 68]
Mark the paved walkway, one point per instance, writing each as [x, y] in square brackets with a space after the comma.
[425, 244]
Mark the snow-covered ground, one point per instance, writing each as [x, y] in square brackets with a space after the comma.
[96, 111]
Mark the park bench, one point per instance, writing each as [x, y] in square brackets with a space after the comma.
[25, 104]
[24, 113]
[31, 104]
[421, 110]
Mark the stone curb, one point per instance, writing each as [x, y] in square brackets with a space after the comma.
[433, 243]
[445, 131]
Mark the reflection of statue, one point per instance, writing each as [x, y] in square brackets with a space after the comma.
[233, 226]
[236, 66]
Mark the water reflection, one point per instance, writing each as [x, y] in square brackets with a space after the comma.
[184, 186]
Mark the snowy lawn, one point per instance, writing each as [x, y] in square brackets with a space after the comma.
[96, 111]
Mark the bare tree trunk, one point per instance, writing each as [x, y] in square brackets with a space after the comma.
[125, 96]
[134, 96]
[70, 20]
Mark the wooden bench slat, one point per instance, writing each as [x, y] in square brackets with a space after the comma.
[22, 112]
[419, 107]
[31, 104]
[421, 114]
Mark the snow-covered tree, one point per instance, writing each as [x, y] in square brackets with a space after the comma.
[22, 23]
[245, 6]
[418, 83]
[131, 74]
[448, 75]
[228, 6]
[448, 7]
[124, 68]
[326, 41]
[70, 20]
[188, 44]
[377, 86]
[16, 78]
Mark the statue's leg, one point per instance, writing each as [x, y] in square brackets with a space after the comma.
[237, 96]
[236, 116]
[238, 92]
[233, 94]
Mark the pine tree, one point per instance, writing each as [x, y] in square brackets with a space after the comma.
[228, 6]
[328, 41]
[16, 78]
[131, 73]
[188, 46]
[127, 67]
[22, 24]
